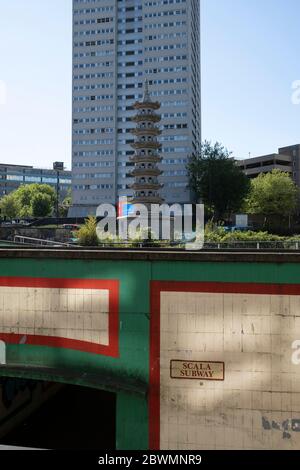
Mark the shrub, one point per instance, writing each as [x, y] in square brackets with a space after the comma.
[87, 234]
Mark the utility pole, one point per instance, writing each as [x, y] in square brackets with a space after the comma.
[58, 166]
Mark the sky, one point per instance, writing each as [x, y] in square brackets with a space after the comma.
[250, 60]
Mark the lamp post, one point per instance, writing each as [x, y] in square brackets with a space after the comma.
[57, 166]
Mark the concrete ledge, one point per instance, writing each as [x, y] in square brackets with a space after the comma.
[155, 254]
[103, 380]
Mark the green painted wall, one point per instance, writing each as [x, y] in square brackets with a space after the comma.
[131, 369]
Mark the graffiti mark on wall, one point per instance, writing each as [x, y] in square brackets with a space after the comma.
[286, 427]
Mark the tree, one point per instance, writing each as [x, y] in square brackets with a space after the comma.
[216, 180]
[9, 207]
[26, 194]
[66, 204]
[273, 193]
[41, 205]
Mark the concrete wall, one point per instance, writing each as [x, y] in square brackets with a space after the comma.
[257, 404]
[197, 346]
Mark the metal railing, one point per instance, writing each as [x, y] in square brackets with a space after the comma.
[254, 245]
[37, 241]
[285, 245]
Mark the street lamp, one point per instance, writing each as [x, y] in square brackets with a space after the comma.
[57, 166]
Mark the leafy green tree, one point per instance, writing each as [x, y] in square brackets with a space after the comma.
[273, 193]
[41, 205]
[216, 180]
[26, 194]
[66, 204]
[9, 207]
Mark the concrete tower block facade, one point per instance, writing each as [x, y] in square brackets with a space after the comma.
[116, 46]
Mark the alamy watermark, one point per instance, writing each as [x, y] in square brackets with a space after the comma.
[296, 353]
[3, 92]
[169, 223]
[296, 92]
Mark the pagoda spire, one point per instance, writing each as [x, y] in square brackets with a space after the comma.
[146, 157]
[146, 98]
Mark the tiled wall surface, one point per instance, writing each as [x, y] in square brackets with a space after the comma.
[79, 314]
[257, 406]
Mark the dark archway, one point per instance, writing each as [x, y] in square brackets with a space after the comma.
[75, 417]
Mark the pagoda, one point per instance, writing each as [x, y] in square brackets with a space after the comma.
[146, 157]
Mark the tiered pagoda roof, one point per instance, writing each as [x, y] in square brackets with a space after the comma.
[146, 157]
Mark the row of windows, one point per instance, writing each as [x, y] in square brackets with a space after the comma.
[81, 11]
[93, 98]
[170, 24]
[165, 59]
[176, 184]
[85, 1]
[93, 65]
[37, 179]
[166, 47]
[92, 21]
[173, 115]
[174, 138]
[93, 120]
[93, 164]
[90, 32]
[166, 70]
[174, 103]
[93, 109]
[98, 153]
[89, 76]
[176, 150]
[166, 36]
[128, 9]
[175, 173]
[163, 2]
[174, 161]
[129, 97]
[94, 142]
[80, 55]
[130, 75]
[127, 42]
[106, 130]
[168, 80]
[130, 20]
[93, 86]
[130, 86]
[175, 126]
[92, 187]
[127, 53]
[130, 31]
[156, 14]
[100, 42]
[83, 176]
[130, 64]
[169, 92]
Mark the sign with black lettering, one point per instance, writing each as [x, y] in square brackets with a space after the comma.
[202, 370]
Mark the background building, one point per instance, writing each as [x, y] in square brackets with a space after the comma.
[12, 176]
[287, 159]
[116, 46]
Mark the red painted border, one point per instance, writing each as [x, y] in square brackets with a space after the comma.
[173, 286]
[112, 349]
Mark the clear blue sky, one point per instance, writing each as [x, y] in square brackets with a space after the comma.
[250, 58]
